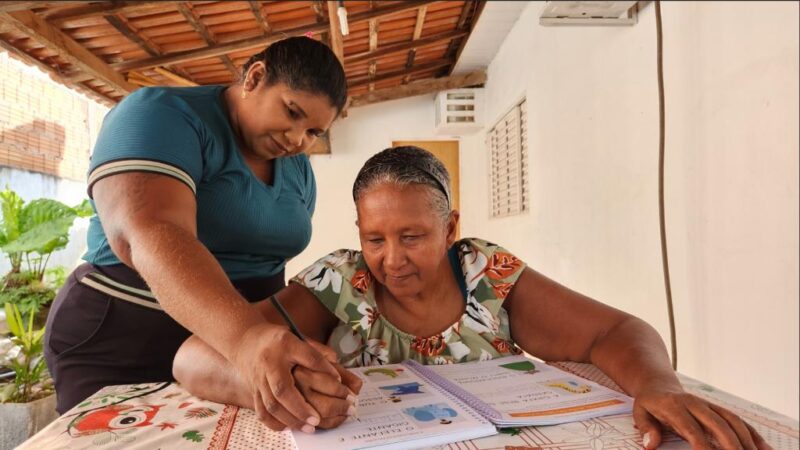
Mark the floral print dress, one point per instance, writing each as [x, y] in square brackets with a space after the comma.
[486, 273]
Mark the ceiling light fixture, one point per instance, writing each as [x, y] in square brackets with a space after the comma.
[342, 13]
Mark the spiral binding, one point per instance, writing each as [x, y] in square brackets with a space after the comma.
[448, 387]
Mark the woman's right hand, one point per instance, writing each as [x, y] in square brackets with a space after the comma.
[334, 404]
[265, 358]
[325, 393]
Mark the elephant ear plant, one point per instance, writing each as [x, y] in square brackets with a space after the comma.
[29, 234]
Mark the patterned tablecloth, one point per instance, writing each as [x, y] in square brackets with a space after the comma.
[165, 416]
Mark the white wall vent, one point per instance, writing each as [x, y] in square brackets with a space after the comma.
[459, 111]
[589, 13]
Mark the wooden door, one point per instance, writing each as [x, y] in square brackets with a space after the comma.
[447, 152]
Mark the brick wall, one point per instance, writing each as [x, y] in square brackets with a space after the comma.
[45, 127]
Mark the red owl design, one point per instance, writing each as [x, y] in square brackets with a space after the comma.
[114, 418]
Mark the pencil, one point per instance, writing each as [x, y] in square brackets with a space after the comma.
[286, 317]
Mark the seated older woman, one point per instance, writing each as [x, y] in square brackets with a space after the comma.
[413, 292]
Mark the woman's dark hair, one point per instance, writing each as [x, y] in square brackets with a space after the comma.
[404, 166]
[304, 64]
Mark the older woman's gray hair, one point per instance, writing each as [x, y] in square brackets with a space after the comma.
[405, 166]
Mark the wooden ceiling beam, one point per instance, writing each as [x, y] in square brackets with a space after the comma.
[261, 41]
[141, 80]
[195, 22]
[412, 53]
[10, 6]
[35, 28]
[404, 46]
[216, 50]
[478, 10]
[175, 78]
[122, 26]
[420, 87]
[462, 18]
[56, 75]
[373, 34]
[255, 7]
[387, 11]
[77, 76]
[462, 22]
[361, 81]
[373, 46]
[337, 41]
[206, 34]
[84, 10]
[421, 12]
[319, 10]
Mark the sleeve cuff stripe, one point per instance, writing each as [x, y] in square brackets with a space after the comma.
[136, 165]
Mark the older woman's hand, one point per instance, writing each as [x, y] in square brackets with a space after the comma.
[266, 357]
[695, 419]
[334, 405]
[334, 400]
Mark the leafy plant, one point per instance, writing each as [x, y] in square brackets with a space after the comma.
[29, 297]
[31, 380]
[30, 233]
[30, 294]
[55, 277]
[11, 205]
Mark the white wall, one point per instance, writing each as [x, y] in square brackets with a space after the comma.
[365, 131]
[731, 80]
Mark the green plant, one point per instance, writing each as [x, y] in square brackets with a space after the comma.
[29, 296]
[29, 234]
[56, 277]
[31, 379]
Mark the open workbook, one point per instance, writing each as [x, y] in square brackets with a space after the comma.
[408, 405]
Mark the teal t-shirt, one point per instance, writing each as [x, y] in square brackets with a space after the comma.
[250, 227]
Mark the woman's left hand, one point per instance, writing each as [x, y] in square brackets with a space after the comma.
[693, 418]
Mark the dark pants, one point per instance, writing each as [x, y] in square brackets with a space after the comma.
[94, 339]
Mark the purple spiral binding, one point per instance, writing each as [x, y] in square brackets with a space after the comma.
[465, 397]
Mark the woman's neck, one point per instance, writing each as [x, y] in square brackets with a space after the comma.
[427, 314]
[262, 168]
[229, 97]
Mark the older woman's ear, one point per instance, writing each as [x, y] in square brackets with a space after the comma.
[452, 227]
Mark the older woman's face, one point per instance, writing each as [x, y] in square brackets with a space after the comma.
[403, 240]
[279, 121]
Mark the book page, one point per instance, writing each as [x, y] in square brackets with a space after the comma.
[529, 392]
[399, 409]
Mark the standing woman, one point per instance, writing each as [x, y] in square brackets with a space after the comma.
[201, 196]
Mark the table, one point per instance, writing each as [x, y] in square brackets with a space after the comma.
[165, 416]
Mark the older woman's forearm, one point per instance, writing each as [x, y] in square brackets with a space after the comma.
[633, 354]
[204, 372]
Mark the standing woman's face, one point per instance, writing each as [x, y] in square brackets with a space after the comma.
[277, 120]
